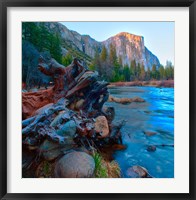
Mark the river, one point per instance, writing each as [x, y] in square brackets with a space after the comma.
[157, 115]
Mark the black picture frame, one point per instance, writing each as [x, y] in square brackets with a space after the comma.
[96, 3]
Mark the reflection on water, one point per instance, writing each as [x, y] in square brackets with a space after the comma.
[157, 115]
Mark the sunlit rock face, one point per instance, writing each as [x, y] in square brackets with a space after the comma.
[128, 46]
[131, 47]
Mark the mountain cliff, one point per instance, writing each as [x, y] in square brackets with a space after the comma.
[131, 47]
[128, 46]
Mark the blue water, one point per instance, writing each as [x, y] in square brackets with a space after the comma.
[157, 115]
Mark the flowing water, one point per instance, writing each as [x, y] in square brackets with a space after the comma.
[156, 115]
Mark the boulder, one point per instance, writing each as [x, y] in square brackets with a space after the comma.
[149, 133]
[68, 129]
[137, 172]
[151, 148]
[75, 165]
[79, 104]
[50, 150]
[109, 113]
[101, 126]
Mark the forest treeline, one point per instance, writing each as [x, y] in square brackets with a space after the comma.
[111, 68]
[38, 40]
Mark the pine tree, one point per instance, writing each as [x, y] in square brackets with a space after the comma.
[143, 73]
[103, 55]
[138, 71]
[133, 69]
[162, 72]
[153, 72]
[112, 55]
[120, 60]
[67, 59]
[148, 74]
[126, 73]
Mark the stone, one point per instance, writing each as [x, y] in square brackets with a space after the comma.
[101, 126]
[79, 104]
[50, 150]
[136, 172]
[67, 129]
[149, 133]
[109, 112]
[151, 148]
[75, 165]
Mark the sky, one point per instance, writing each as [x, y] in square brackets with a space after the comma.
[158, 36]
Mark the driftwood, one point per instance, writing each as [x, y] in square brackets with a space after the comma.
[46, 112]
[65, 78]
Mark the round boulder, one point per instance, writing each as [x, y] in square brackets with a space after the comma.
[75, 165]
[137, 172]
[50, 150]
[68, 129]
[151, 148]
[101, 126]
[149, 133]
[79, 104]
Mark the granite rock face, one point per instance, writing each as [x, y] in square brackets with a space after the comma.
[128, 46]
[131, 47]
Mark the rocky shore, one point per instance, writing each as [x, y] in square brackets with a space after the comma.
[66, 128]
[67, 131]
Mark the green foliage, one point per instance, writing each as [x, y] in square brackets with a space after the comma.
[100, 169]
[76, 53]
[162, 72]
[138, 71]
[169, 72]
[126, 73]
[105, 169]
[42, 39]
[153, 72]
[142, 73]
[120, 61]
[67, 59]
[104, 54]
[46, 167]
[112, 55]
[133, 70]
[148, 74]
[92, 67]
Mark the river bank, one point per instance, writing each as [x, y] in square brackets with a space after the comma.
[66, 127]
[154, 83]
[148, 132]
[76, 128]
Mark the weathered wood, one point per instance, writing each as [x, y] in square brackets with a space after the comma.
[66, 114]
[68, 81]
